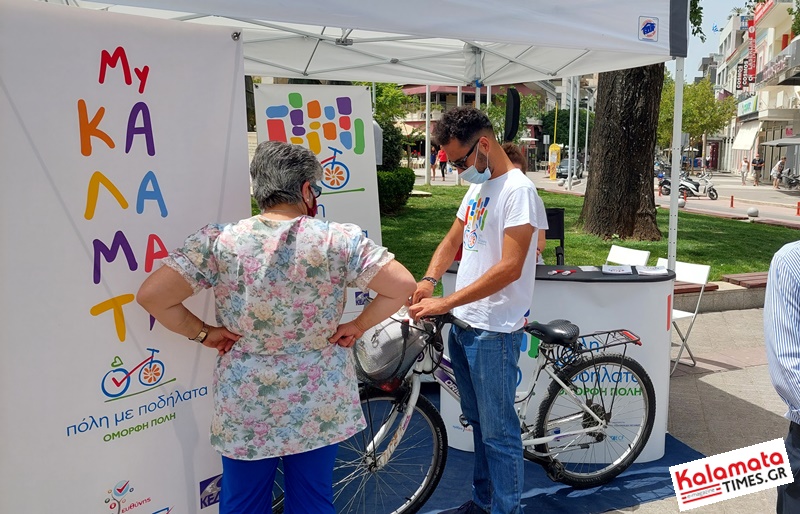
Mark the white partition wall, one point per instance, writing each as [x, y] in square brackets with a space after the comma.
[112, 151]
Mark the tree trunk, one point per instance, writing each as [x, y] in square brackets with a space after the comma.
[619, 196]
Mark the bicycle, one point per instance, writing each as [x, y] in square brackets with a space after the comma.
[585, 433]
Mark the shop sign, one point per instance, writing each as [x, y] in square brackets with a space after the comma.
[774, 67]
[747, 106]
[751, 56]
[741, 75]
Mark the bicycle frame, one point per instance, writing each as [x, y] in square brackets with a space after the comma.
[444, 376]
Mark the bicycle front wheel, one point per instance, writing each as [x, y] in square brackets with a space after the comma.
[619, 391]
[408, 479]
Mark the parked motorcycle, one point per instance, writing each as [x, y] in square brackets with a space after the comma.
[702, 187]
[790, 180]
[665, 184]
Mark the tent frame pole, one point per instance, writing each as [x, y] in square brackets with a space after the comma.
[672, 241]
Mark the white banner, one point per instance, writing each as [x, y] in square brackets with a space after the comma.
[334, 122]
[111, 155]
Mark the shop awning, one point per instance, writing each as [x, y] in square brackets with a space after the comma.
[746, 136]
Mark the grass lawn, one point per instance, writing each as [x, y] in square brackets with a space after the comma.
[728, 246]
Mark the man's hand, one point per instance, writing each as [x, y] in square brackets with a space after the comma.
[428, 307]
[221, 339]
[424, 290]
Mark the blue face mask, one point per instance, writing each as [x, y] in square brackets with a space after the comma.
[473, 176]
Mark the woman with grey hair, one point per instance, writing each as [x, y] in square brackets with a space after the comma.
[284, 384]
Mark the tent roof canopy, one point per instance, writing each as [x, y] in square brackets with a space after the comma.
[448, 43]
[784, 141]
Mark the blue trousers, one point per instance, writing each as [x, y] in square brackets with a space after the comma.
[485, 366]
[308, 478]
[789, 494]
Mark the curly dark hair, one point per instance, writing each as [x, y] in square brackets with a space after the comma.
[461, 124]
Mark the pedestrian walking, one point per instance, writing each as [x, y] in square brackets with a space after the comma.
[744, 169]
[777, 173]
[782, 340]
[757, 165]
[442, 162]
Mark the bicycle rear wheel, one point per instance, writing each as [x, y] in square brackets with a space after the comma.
[619, 391]
[406, 482]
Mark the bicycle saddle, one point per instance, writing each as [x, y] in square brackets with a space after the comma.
[558, 331]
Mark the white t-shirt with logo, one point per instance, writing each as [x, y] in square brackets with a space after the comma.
[487, 210]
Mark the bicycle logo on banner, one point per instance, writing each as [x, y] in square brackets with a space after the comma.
[336, 174]
[117, 380]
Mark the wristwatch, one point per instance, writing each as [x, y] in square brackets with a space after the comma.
[431, 280]
[202, 335]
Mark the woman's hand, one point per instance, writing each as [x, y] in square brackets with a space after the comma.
[346, 334]
[221, 339]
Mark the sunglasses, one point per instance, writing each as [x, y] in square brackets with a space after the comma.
[316, 189]
[462, 162]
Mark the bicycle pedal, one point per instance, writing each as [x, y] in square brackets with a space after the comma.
[555, 471]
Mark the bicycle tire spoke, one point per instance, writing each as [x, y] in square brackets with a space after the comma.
[602, 449]
[412, 470]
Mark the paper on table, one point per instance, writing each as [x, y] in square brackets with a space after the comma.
[617, 270]
[651, 270]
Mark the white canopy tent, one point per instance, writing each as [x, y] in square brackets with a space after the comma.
[456, 42]
[448, 43]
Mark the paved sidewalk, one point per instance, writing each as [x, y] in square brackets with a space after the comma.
[726, 402]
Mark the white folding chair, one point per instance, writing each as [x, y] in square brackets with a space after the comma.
[694, 274]
[627, 256]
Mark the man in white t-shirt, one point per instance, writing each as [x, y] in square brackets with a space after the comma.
[496, 228]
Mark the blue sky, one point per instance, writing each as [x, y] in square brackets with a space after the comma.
[715, 12]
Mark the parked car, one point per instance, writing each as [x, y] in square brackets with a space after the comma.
[563, 169]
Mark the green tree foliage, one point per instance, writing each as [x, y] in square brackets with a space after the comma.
[794, 12]
[392, 146]
[666, 112]
[391, 104]
[562, 135]
[702, 112]
[530, 106]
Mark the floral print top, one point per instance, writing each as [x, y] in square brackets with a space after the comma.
[283, 388]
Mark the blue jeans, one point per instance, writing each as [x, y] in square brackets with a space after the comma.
[485, 366]
[789, 494]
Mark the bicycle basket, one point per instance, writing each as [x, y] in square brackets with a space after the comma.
[389, 349]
